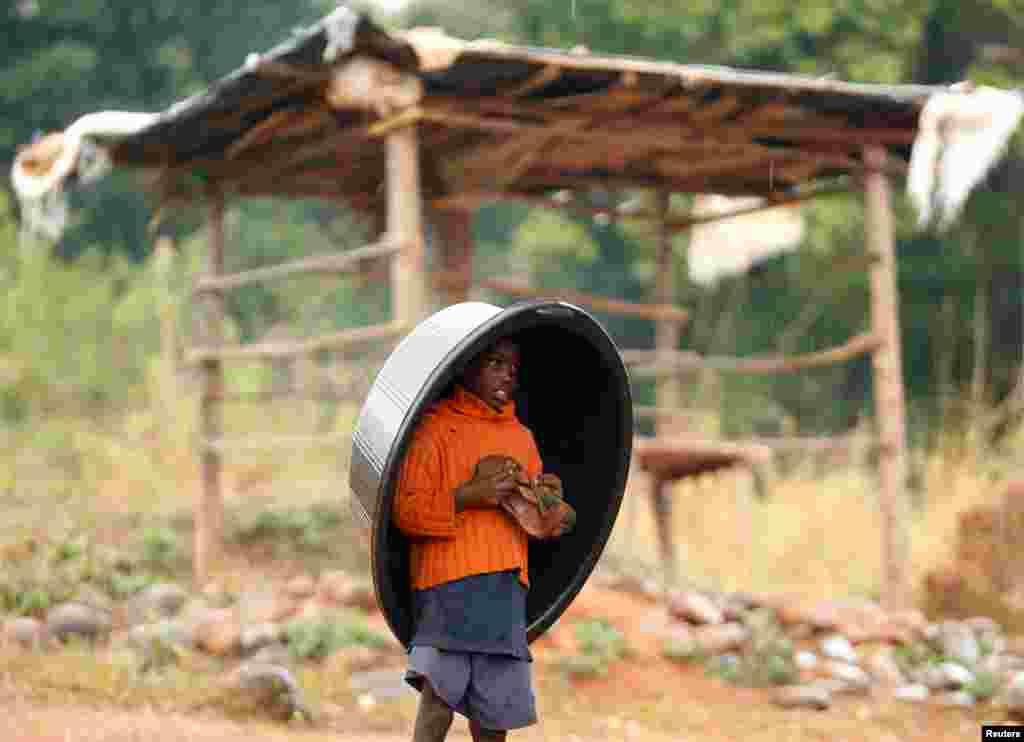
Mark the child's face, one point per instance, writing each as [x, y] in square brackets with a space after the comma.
[494, 376]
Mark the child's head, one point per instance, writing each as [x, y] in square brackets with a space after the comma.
[493, 376]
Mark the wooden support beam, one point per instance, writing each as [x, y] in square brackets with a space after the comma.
[410, 294]
[668, 388]
[647, 363]
[209, 513]
[454, 231]
[615, 307]
[167, 384]
[346, 262]
[888, 385]
[470, 201]
[668, 392]
[285, 349]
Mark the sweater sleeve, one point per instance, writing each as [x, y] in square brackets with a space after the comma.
[534, 465]
[421, 506]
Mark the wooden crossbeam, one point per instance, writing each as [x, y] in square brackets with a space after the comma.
[648, 363]
[599, 303]
[266, 442]
[335, 341]
[346, 262]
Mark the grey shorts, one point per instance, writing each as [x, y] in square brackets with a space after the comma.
[493, 690]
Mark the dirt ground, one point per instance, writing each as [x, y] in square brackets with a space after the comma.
[644, 698]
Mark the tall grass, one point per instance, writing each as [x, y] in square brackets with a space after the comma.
[812, 536]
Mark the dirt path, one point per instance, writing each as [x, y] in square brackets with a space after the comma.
[643, 698]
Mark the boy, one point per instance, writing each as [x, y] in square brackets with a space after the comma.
[468, 557]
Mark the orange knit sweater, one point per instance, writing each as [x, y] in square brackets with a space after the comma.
[446, 446]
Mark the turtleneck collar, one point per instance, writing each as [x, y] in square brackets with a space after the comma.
[465, 402]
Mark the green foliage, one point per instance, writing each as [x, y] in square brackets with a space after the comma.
[984, 686]
[123, 585]
[319, 639]
[766, 660]
[298, 529]
[160, 546]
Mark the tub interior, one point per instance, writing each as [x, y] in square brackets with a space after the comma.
[574, 397]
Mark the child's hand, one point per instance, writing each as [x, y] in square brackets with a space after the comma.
[551, 482]
[495, 479]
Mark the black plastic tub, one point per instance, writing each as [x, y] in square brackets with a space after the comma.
[574, 395]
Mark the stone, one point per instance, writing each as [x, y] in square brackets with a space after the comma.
[956, 698]
[354, 659]
[381, 685]
[342, 589]
[715, 639]
[805, 660]
[170, 631]
[1013, 696]
[162, 600]
[957, 642]
[161, 644]
[913, 692]
[883, 667]
[851, 674]
[733, 609]
[803, 696]
[912, 620]
[90, 596]
[983, 625]
[220, 634]
[838, 647]
[265, 606]
[257, 636]
[69, 620]
[819, 616]
[272, 654]
[694, 607]
[270, 688]
[28, 633]
[945, 676]
[835, 686]
[300, 586]
[678, 641]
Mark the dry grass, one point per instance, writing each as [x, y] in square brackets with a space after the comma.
[110, 479]
[811, 537]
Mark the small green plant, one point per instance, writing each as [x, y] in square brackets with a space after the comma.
[767, 659]
[600, 638]
[684, 652]
[600, 644]
[122, 585]
[305, 530]
[727, 667]
[318, 639]
[33, 601]
[984, 686]
[67, 551]
[160, 546]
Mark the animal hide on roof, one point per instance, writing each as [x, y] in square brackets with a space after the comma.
[962, 134]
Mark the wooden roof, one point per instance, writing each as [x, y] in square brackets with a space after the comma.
[510, 119]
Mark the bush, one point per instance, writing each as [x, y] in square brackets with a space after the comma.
[319, 639]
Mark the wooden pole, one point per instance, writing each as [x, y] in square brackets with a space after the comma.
[209, 509]
[167, 378]
[454, 239]
[668, 394]
[667, 330]
[410, 299]
[888, 383]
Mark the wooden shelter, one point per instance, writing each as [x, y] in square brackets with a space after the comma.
[417, 125]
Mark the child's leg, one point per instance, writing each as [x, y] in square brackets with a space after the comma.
[485, 735]
[433, 718]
